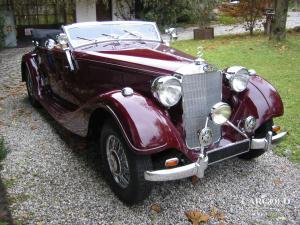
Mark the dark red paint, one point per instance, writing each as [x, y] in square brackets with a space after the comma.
[103, 70]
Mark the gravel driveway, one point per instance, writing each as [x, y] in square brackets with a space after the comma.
[50, 179]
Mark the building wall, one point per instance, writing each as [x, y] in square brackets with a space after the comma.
[85, 10]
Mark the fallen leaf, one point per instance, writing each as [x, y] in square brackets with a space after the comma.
[194, 180]
[222, 223]
[283, 218]
[204, 218]
[217, 214]
[196, 217]
[2, 124]
[213, 212]
[156, 208]
[220, 216]
[33, 127]
[277, 181]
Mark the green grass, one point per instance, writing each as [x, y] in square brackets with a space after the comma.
[228, 20]
[3, 150]
[279, 63]
[294, 6]
[3, 223]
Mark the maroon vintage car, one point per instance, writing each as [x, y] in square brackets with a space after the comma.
[156, 113]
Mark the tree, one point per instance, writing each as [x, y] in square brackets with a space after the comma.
[250, 11]
[201, 10]
[165, 13]
[278, 29]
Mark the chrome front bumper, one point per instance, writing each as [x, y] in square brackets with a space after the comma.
[197, 168]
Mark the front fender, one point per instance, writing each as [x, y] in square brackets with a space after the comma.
[270, 94]
[260, 100]
[146, 127]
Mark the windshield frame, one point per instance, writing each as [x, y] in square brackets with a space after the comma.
[85, 24]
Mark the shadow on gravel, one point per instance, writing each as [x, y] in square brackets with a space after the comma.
[87, 152]
[80, 146]
[5, 216]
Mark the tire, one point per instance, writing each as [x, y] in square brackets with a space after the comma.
[136, 189]
[30, 90]
[260, 133]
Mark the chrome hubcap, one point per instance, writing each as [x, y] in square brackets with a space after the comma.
[117, 161]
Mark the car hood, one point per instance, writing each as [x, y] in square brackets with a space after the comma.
[150, 54]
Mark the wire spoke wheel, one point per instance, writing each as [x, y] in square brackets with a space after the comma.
[29, 84]
[117, 161]
[122, 168]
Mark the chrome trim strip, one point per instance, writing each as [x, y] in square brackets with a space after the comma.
[171, 174]
[196, 168]
[268, 141]
[278, 136]
[265, 143]
[258, 143]
[83, 24]
[199, 167]
[227, 146]
[229, 157]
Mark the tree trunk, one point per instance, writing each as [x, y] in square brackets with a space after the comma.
[251, 28]
[279, 23]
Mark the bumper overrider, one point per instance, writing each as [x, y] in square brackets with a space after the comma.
[197, 168]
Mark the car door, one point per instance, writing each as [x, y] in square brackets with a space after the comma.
[57, 73]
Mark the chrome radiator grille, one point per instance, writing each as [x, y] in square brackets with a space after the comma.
[200, 93]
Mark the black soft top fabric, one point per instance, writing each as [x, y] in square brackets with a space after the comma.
[41, 35]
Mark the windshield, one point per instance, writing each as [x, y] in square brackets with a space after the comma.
[97, 32]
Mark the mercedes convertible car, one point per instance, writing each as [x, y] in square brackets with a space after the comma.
[156, 113]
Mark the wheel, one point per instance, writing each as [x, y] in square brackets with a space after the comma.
[122, 168]
[30, 90]
[260, 133]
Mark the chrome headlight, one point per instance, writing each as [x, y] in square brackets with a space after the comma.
[167, 90]
[238, 77]
[220, 113]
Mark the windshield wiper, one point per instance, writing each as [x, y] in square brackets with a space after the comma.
[133, 34]
[108, 35]
[87, 39]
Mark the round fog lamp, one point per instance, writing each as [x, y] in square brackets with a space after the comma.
[250, 124]
[205, 137]
[220, 113]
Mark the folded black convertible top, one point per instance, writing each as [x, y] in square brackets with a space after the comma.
[41, 35]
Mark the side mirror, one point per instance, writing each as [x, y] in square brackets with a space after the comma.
[62, 39]
[172, 32]
[49, 44]
[35, 43]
